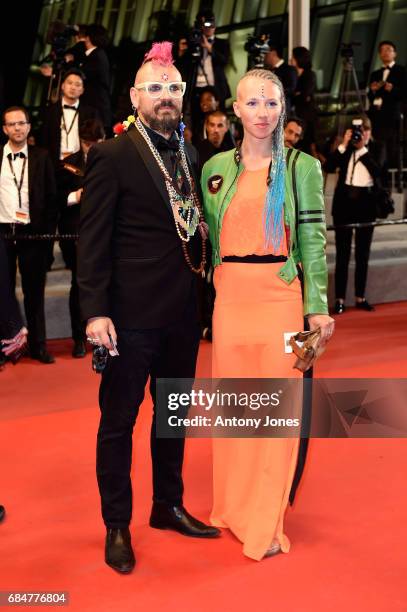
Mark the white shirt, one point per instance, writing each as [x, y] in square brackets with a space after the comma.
[9, 202]
[70, 142]
[361, 176]
[89, 51]
[209, 79]
[386, 70]
[279, 63]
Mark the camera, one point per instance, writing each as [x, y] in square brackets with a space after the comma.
[195, 36]
[347, 49]
[357, 131]
[257, 47]
[58, 36]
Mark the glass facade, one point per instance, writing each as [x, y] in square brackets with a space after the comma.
[332, 23]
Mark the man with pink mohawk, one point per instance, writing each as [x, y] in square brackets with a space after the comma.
[140, 249]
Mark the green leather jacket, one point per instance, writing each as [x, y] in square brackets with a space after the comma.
[305, 221]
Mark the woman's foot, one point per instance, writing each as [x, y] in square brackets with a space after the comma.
[274, 549]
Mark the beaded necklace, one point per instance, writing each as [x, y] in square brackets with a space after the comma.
[186, 210]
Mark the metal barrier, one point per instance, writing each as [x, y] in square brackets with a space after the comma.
[76, 236]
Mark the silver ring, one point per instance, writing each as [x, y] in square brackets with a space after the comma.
[92, 341]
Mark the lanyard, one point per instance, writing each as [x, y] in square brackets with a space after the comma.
[67, 131]
[20, 183]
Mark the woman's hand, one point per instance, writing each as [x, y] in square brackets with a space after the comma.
[325, 322]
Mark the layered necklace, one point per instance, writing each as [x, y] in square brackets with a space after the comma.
[186, 209]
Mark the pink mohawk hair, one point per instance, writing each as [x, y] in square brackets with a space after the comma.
[160, 52]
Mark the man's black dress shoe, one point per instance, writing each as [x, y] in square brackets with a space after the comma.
[364, 306]
[2, 513]
[43, 356]
[118, 551]
[339, 307]
[178, 519]
[79, 349]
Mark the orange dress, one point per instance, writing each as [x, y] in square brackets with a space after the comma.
[253, 310]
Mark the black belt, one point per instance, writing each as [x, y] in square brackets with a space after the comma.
[255, 258]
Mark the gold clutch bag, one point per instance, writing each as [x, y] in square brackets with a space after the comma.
[306, 347]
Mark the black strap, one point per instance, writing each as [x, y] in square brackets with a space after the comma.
[18, 184]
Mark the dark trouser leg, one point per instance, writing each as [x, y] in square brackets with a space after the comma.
[121, 393]
[179, 345]
[78, 328]
[363, 240]
[343, 242]
[32, 260]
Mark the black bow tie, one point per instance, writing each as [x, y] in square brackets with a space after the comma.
[15, 155]
[167, 145]
[70, 107]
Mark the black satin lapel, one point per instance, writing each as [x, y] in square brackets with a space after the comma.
[150, 164]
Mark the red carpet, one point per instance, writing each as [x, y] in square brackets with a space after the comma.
[347, 528]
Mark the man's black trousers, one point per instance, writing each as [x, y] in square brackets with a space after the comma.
[167, 352]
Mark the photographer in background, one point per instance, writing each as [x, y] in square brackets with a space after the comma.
[203, 60]
[293, 132]
[361, 167]
[387, 91]
[287, 74]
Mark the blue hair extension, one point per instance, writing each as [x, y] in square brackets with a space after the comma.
[273, 215]
[182, 127]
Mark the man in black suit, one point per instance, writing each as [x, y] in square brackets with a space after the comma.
[203, 63]
[287, 74]
[218, 137]
[61, 120]
[387, 92]
[97, 72]
[137, 282]
[27, 206]
[361, 168]
[70, 187]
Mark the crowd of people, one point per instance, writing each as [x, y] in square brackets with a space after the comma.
[42, 172]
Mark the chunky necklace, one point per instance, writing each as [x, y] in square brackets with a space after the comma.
[186, 210]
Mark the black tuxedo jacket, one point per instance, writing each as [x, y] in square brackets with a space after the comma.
[131, 266]
[288, 76]
[373, 160]
[67, 182]
[41, 190]
[97, 84]
[50, 135]
[389, 113]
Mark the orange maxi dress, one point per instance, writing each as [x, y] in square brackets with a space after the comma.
[253, 309]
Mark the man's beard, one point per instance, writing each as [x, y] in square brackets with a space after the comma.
[167, 123]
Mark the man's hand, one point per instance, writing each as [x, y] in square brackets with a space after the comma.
[79, 194]
[347, 137]
[205, 44]
[388, 86]
[375, 85]
[98, 329]
[326, 323]
[46, 70]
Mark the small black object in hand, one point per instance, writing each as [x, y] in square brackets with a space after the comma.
[99, 359]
